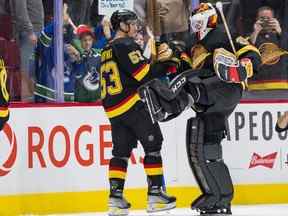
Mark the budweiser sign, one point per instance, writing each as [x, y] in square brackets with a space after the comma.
[266, 161]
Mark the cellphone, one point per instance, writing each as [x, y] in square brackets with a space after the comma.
[264, 21]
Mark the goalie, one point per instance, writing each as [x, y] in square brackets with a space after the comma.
[213, 88]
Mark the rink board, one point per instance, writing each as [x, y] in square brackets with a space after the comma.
[55, 158]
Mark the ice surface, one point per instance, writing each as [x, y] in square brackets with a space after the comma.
[249, 210]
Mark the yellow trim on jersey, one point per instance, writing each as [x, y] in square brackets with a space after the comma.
[199, 60]
[123, 107]
[4, 112]
[3, 80]
[117, 174]
[247, 49]
[142, 73]
[154, 171]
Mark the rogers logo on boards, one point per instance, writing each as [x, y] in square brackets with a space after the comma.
[6, 167]
[42, 149]
[266, 161]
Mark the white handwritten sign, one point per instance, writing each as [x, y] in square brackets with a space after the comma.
[107, 7]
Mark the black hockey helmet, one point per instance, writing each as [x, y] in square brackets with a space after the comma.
[122, 16]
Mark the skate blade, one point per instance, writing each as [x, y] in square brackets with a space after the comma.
[115, 211]
[214, 214]
[158, 207]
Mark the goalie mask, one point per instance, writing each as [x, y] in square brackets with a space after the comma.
[203, 20]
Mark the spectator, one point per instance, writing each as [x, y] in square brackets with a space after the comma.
[87, 86]
[45, 73]
[29, 19]
[79, 11]
[95, 18]
[48, 11]
[4, 7]
[139, 39]
[9, 51]
[267, 37]
[248, 10]
[267, 25]
[103, 33]
[174, 17]
[140, 9]
[5, 21]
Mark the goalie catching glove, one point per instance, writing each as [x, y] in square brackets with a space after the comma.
[229, 69]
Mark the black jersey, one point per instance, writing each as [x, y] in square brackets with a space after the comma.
[4, 95]
[123, 70]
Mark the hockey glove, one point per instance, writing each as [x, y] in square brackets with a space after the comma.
[229, 69]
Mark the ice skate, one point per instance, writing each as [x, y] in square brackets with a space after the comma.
[118, 206]
[160, 201]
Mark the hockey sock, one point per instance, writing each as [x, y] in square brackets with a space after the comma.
[117, 175]
[154, 171]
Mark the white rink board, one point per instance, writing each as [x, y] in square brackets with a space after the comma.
[47, 162]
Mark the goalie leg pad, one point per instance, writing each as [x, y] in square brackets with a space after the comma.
[205, 159]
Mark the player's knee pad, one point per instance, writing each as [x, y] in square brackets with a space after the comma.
[152, 142]
[205, 159]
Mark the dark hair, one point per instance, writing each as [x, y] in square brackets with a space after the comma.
[84, 34]
[121, 16]
[265, 8]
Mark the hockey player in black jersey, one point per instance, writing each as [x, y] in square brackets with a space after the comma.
[123, 70]
[4, 96]
[214, 86]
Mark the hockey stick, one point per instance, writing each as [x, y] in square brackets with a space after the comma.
[219, 7]
[154, 25]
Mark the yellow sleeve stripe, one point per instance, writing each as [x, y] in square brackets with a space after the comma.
[247, 49]
[4, 112]
[141, 72]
